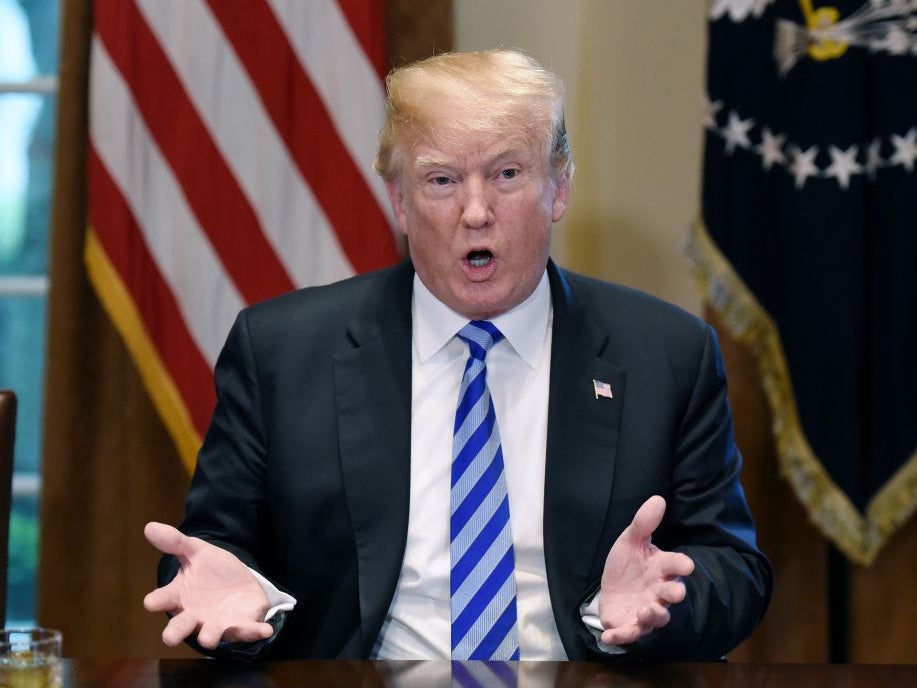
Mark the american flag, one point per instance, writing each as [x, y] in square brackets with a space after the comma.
[602, 389]
[230, 160]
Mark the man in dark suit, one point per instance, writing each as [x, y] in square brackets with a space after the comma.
[332, 483]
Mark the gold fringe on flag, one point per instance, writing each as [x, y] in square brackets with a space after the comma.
[829, 508]
[156, 378]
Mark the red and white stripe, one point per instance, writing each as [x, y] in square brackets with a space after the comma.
[231, 148]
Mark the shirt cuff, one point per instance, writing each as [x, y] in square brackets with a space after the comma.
[278, 601]
[590, 615]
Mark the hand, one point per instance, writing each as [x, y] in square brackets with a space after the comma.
[213, 593]
[640, 581]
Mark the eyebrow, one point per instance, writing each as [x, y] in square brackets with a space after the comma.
[510, 151]
[426, 161]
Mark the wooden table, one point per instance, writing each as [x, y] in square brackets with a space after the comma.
[365, 674]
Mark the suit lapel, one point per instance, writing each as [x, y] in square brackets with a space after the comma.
[373, 395]
[581, 445]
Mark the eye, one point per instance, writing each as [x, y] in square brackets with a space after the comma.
[509, 173]
[440, 180]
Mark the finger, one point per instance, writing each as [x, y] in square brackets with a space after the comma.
[179, 627]
[163, 599]
[674, 564]
[653, 616]
[671, 592]
[249, 633]
[622, 635]
[210, 635]
[647, 519]
[167, 539]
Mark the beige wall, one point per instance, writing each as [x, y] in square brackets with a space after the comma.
[634, 75]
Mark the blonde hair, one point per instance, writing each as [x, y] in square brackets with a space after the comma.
[495, 92]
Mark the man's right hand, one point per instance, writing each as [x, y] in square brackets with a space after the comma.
[213, 593]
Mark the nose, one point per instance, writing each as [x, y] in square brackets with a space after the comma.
[476, 207]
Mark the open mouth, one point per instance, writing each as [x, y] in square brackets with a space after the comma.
[478, 259]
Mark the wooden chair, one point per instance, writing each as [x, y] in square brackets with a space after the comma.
[7, 436]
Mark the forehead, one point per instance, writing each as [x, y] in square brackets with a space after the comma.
[465, 120]
[468, 149]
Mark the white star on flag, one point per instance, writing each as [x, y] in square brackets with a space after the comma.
[738, 9]
[771, 149]
[602, 389]
[843, 165]
[736, 132]
[803, 165]
[710, 111]
[905, 149]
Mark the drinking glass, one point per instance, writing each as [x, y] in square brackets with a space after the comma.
[30, 658]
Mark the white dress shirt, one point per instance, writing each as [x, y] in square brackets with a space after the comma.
[418, 623]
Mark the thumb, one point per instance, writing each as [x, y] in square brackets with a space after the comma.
[167, 539]
[647, 519]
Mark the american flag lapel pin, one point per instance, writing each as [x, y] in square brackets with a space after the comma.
[602, 389]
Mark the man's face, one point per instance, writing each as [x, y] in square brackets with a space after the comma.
[477, 212]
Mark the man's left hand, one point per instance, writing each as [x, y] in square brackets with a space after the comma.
[640, 581]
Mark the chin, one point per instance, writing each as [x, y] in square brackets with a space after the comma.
[483, 300]
[482, 309]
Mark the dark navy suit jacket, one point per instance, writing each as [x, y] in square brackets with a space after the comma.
[304, 470]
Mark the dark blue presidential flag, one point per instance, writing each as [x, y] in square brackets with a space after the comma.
[807, 243]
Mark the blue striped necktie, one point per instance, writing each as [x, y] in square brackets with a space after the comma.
[483, 585]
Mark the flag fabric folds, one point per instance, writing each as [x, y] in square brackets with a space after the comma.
[807, 246]
[230, 160]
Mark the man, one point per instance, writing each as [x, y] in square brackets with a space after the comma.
[516, 522]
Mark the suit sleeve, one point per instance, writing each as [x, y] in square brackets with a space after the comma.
[227, 502]
[707, 518]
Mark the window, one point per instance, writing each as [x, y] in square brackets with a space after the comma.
[28, 65]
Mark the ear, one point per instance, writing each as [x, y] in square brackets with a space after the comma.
[561, 197]
[395, 191]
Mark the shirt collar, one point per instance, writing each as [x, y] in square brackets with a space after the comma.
[523, 326]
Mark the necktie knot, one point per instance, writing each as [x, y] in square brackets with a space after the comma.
[480, 336]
